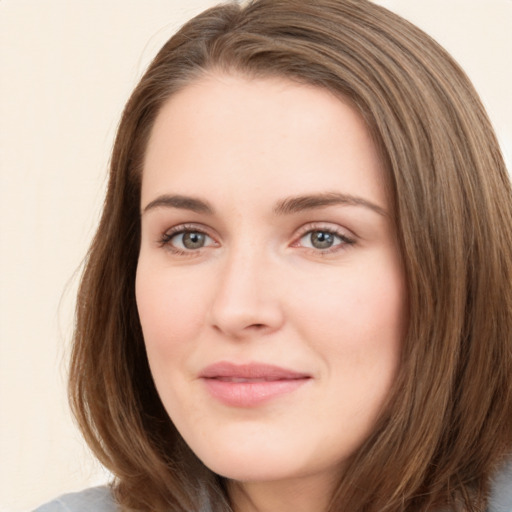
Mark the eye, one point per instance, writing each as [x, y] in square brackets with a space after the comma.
[189, 240]
[319, 239]
[324, 240]
[184, 239]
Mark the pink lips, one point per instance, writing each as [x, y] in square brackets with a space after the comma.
[249, 385]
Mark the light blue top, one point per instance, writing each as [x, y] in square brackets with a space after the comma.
[95, 499]
[501, 496]
[99, 499]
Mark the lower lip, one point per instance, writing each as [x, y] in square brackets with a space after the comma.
[251, 394]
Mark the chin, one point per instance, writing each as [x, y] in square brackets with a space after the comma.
[259, 462]
[244, 465]
[253, 471]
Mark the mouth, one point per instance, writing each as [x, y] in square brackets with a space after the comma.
[250, 385]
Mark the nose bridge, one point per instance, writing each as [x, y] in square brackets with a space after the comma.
[246, 299]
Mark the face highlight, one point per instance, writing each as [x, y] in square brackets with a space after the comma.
[269, 284]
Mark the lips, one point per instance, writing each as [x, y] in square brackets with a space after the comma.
[250, 385]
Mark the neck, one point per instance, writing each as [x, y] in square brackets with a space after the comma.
[308, 494]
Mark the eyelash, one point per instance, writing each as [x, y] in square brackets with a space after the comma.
[345, 241]
[165, 239]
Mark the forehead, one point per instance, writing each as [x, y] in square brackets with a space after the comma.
[228, 134]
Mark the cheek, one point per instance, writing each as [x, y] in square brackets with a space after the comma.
[356, 303]
[357, 322]
[170, 310]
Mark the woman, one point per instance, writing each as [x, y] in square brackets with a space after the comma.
[298, 297]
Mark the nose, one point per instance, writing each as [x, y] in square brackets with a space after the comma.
[246, 301]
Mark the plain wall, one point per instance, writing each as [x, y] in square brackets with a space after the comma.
[66, 69]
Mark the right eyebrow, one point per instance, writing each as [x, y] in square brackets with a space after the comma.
[182, 202]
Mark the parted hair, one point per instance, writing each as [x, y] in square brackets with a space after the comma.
[447, 425]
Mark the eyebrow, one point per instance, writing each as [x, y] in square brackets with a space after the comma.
[182, 202]
[310, 202]
[286, 206]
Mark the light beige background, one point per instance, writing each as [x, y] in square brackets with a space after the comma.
[66, 69]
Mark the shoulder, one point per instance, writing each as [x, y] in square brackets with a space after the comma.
[97, 499]
[100, 499]
[501, 495]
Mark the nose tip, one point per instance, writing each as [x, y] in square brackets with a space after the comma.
[246, 302]
[246, 318]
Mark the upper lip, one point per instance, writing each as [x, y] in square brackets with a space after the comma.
[260, 371]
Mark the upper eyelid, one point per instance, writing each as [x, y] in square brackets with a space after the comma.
[325, 226]
[299, 232]
[187, 227]
[166, 235]
[309, 226]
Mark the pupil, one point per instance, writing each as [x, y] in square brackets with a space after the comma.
[322, 239]
[193, 240]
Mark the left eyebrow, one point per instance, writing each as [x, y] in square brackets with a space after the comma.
[309, 202]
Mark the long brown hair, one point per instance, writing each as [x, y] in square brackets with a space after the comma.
[448, 423]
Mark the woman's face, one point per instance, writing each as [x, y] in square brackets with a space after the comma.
[269, 284]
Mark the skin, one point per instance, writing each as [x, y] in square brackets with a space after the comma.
[259, 287]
